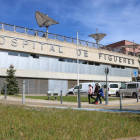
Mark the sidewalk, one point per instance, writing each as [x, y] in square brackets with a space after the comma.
[38, 102]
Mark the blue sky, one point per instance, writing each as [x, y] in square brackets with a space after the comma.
[119, 19]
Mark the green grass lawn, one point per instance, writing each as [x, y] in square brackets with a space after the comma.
[25, 123]
[65, 98]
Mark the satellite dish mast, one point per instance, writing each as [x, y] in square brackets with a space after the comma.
[97, 36]
[44, 20]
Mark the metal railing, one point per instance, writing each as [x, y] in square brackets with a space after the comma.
[13, 28]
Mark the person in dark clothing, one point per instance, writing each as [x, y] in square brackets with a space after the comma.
[90, 93]
[96, 91]
[100, 94]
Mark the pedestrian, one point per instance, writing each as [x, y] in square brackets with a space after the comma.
[96, 91]
[100, 94]
[90, 93]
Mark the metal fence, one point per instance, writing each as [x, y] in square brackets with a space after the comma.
[13, 28]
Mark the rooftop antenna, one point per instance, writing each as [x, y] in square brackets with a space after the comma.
[44, 20]
[97, 36]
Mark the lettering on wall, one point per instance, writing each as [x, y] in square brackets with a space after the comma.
[85, 52]
[114, 58]
[14, 43]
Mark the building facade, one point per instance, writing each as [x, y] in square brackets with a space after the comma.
[49, 61]
[119, 46]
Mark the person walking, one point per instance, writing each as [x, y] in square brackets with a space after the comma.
[90, 93]
[100, 94]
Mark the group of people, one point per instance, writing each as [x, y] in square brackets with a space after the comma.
[98, 91]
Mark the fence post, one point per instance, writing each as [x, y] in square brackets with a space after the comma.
[14, 29]
[23, 94]
[2, 26]
[5, 91]
[120, 101]
[61, 97]
[79, 98]
[106, 72]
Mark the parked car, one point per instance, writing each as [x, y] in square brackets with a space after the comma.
[112, 88]
[83, 88]
[130, 89]
[70, 91]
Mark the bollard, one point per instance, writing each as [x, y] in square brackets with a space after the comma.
[79, 98]
[106, 72]
[55, 98]
[23, 94]
[120, 101]
[61, 97]
[5, 91]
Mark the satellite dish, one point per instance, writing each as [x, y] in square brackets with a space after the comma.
[43, 20]
[98, 36]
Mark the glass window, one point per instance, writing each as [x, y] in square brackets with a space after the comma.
[80, 86]
[13, 53]
[69, 60]
[24, 54]
[122, 67]
[34, 56]
[83, 62]
[123, 87]
[97, 64]
[117, 66]
[104, 86]
[113, 85]
[76, 87]
[90, 63]
[75, 61]
[113, 66]
[131, 86]
[62, 59]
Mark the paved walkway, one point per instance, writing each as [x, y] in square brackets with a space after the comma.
[127, 103]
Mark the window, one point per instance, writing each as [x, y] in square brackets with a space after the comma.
[113, 66]
[123, 87]
[90, 63]
[122, 67]
[76, 87]
[69, 60]
[113, 85]
[83, 62]
[97, 64]
[24, 54]
[62, 59]
[131, 86]
[34, 56]
[117, 66]
[13, 53]
[80, 86]
[104, 86]
[74, 61]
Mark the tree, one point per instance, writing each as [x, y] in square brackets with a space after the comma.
[12, 83]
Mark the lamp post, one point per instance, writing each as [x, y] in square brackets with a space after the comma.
[77, 68]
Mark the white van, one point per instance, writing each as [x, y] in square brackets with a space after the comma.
[84, 88]
[129, 89]
[112, 88]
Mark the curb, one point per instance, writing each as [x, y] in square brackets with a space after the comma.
[101, 110]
